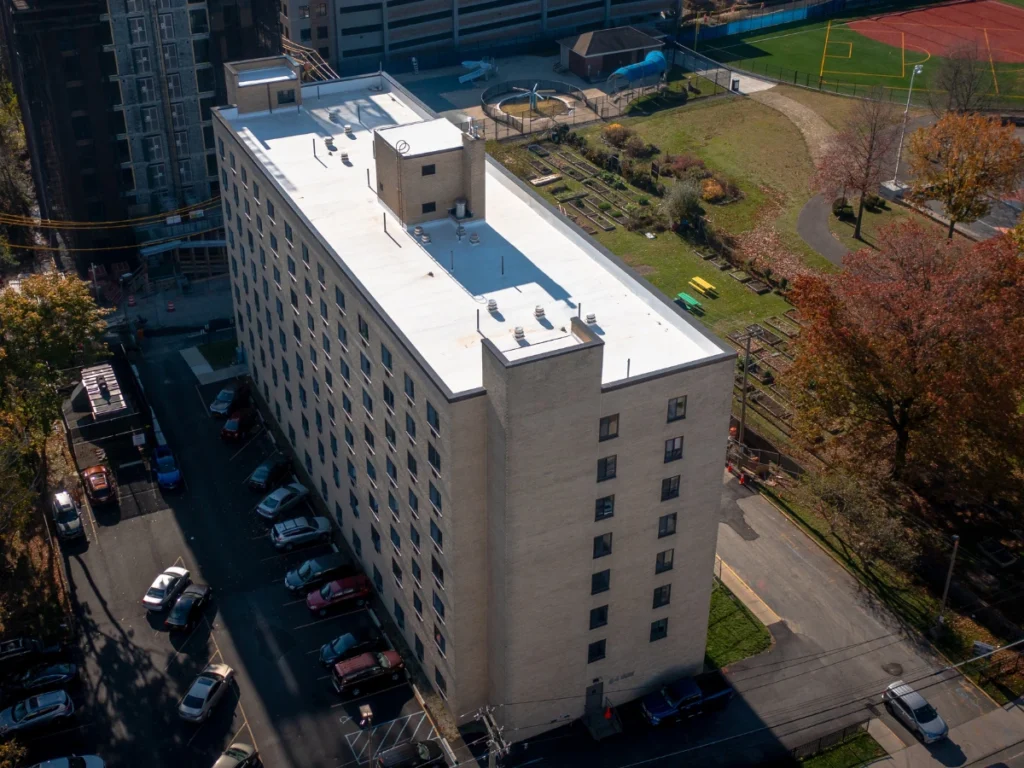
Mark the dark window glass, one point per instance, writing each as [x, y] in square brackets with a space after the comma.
[598, 617]
[609, 427]
[606, 468]
[670, 488]
[596, 651]
[602, 545]
[673, 449]
[601, 581]
[662, 595]
[604, 507]
[659, 629]
[677, 408]
[666, 525]
[664, 561]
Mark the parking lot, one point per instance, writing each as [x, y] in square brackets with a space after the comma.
[135, 673]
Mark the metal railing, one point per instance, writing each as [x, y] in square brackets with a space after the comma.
[830, 740]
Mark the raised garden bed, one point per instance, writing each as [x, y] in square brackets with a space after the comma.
[774, 408]
[783, 326]
[794, 315]
[764, 334]
[773, 359]
[758, 287]
[538, 150]
[721, 262]
[739, 274]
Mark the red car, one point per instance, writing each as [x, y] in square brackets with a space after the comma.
[238, 424]
[338, 593]
[99, 484]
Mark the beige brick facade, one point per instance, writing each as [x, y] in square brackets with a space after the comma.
[489, 555]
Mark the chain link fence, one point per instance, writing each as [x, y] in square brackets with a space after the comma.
[828, 741]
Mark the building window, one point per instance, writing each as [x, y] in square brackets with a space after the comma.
[385, 357]
[399, 613]
[664, 561]
[677, 408]
[602, 545]
[419, 647]
[410, 426]
[414, 504]
[288, 232]
[378, 579]
[598, 617]
[442, 687]
[435, 497]
[392, 471]
[604, 507]
[365, 366]
[397, 541]
[375, 538]
[429, 170]
[600, 581]
[413, 467]
[339, 299]
[437, 570]
[357, 544]
[595, 651]
[432, 418]
[666, 525]
[364, 329]
[389, 434]
[389, 397]
[609, 428]
[368, 436]
[433, 457]
[438, 606]
[606, 468]
[410, 387]
[367, 402]
[438, 536]
[429, 207]
[371, 472]
[673, 449]
[670, 488]
[286, 95]
[659, 629]
[662, 596]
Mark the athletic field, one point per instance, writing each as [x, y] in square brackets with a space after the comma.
[851, 53]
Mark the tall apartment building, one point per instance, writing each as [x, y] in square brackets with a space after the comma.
[117, 98]
[359, 35]
[520, 440]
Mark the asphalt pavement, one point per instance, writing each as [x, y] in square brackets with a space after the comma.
[135, 673]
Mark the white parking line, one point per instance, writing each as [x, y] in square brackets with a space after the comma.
[206, 409]
[330, 617]
[251, 439]
[361, 696]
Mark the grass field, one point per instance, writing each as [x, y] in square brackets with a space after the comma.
[734, 633]
[833, 56]
[852, 753]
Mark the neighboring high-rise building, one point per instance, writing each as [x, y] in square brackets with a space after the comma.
[520, 439]
[359, 35]
[117, 100]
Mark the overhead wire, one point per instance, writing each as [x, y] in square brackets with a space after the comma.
[113, 247]
[11, 219]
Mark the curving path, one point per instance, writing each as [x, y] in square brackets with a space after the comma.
[812, 224]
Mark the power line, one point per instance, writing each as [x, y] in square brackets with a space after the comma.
[114, 247]
[12, 219]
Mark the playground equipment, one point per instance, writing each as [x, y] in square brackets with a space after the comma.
[483, 68]
[650, 69]
[533, 94]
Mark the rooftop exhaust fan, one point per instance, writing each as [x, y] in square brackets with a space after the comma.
[518, 333]
[538, 312]
[492, 305]
[591, 319]
[474, 239]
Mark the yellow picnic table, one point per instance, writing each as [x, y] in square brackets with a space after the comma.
[708, 287]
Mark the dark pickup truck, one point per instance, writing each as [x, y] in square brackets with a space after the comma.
[688, 697]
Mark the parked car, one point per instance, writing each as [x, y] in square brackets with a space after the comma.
[280, 501]
[165, 588]
[357, 676]
[687, 697]
[18, 652]
[238, 756]
[168, 475]
[206, 691]
[73, 761]
[67, 517]
[333, 594]
[36, 711]
[411, 754]
[238, 424]
[99, 484]
[299, 531]
[910, 708]
[229, 399]
[349, 645]
[189, 607]
[317, 570]
[44, 677]
[997, 553]
[271, 473]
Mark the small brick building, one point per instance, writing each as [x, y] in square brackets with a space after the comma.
[595, 55]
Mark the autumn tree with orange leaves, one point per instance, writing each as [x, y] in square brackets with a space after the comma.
[963, 160]
[914, 351]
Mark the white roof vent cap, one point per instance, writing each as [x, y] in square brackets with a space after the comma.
[538, 312]
[519, 333]
[591, 319]
[492, 305]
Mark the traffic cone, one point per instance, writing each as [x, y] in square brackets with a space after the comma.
[607, 713]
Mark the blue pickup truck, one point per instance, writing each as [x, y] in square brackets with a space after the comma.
[688, 697]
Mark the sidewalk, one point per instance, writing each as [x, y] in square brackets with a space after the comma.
[207, 300]
[971, 743]
[205, 372]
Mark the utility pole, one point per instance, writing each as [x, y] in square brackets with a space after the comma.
[743, 407]
[497, 747]
[949, 578]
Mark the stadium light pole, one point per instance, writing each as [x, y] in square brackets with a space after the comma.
[906, 113]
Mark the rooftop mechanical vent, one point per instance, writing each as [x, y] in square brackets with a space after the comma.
[492, 305]
[538, 312]
[474, 239]
[518, 333]
[417, 230]
[591, 319]
[348, 130]
[425, 237]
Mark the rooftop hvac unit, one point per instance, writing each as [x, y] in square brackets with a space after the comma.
[417, 230]
[538, 312]
[460, 209]
[492, 305]
[518, 333]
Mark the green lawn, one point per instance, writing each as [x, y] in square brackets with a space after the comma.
[853, 753]
[850, 63]
[219, 354]
[873, 222]
[734, 633]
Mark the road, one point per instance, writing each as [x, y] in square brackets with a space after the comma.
[836, 647]
[135, 673]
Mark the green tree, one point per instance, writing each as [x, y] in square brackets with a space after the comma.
[51, 324]
[11, 754]
[682, 203]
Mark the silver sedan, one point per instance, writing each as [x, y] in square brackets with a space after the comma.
[206, 691]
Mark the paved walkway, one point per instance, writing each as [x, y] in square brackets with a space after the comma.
[205, 372]
[812, 226]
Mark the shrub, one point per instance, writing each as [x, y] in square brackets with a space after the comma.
[682, 203]
[874, 203]
[643, 201]
[616, 134]
[838, 205]
[635, 146]
[598, 156]
[616, 214]
[732, 189]
[604, 206]
[711, 191]
[681, 164]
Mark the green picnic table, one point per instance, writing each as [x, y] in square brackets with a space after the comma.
[689, 302]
